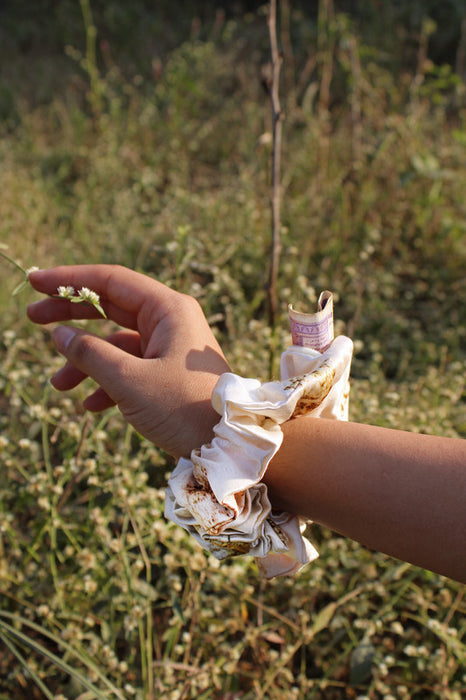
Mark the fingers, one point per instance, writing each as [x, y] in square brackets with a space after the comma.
[129, 342]
[68, 377]
[50, 310]
[114, 369]
[53, 310]
[98, 401]
[123, 293]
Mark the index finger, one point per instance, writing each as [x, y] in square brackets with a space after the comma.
[122, 291]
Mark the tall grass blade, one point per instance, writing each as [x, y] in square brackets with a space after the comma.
[9, 644]
[40, 649]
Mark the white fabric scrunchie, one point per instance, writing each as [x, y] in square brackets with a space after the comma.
[218, 496]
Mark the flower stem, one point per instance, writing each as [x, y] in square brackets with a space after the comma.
[13, 262]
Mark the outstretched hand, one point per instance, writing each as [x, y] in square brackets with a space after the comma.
[159, 368]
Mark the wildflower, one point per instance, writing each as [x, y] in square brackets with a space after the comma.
[28, 271]
[397, 628]
[9, 336]
[434, 625]
[87, 559]
[90, 586]
[90, 464]
[65, 291]
[44, 503]
[87, 294]
[410, 650]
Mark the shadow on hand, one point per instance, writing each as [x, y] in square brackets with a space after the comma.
[207, 360]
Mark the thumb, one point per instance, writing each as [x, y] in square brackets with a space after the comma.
[112, 368]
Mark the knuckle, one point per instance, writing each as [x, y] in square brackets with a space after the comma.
[118, 269]
[82, 349]
[189, 304]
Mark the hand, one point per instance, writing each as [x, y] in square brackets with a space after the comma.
[160, 371]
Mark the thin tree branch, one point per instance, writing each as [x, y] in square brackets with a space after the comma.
[275, 194]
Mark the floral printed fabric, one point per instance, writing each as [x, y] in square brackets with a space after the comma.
[218, 496]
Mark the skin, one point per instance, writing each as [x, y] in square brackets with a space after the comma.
[160, 368]
[397, 492]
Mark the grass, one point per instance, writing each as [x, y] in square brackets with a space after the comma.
[167, 172]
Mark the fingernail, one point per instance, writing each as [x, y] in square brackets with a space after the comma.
[62, 336]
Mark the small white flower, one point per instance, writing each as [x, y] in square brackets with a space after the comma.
[43, 610]
[84, 295]
[397, 627]
[88, 295]
[410, 650]
[28, 271]
[65, 292]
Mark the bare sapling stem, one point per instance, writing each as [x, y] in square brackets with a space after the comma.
[275, 185]
[95, 92]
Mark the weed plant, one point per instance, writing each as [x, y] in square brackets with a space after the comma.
[167, 173]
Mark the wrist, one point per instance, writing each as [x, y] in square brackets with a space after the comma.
[199, 419]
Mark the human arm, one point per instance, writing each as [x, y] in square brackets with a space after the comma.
[398, 492]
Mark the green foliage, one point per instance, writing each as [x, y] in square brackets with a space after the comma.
[167, 172]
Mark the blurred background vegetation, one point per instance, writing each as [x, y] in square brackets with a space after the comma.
[139, 133]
